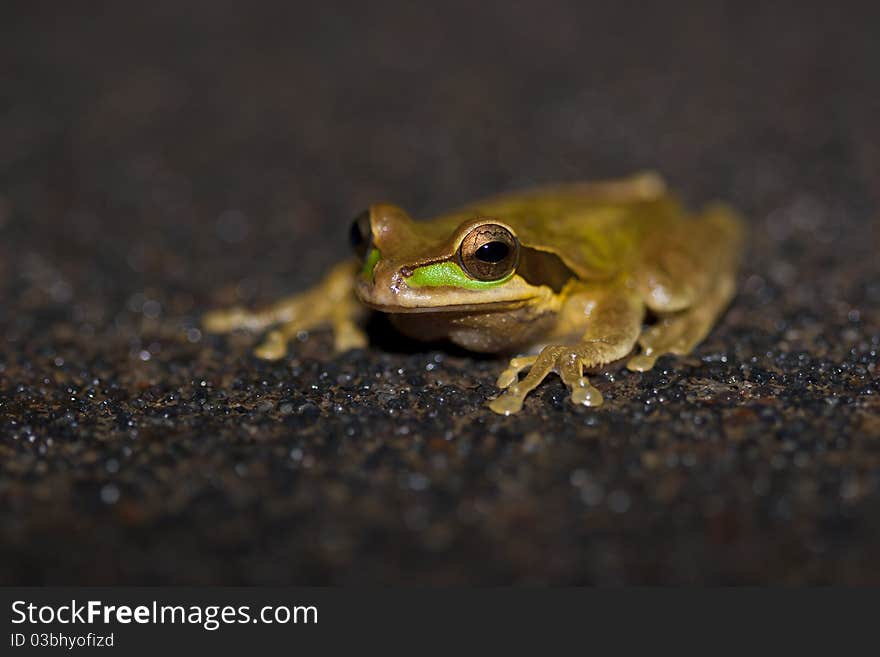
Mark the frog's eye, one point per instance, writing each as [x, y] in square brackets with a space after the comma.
[489, 252]
[361, 234]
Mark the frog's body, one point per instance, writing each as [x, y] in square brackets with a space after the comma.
[563, 276]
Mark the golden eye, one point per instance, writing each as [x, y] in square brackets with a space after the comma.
[489, 253]
[361, 234]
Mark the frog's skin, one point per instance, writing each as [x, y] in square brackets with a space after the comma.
[585, 265]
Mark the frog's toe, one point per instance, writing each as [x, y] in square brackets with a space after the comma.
[539, 367]
[274, 347]
[347, 336]
[511, 375]
[511, 401]
[583, 393]
[641, 363]
[508, 403]
[570, 366]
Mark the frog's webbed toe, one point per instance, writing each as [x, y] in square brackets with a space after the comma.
[567, 361]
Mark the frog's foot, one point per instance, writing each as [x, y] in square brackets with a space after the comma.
[680, 333]
[347, 334]
[656, 341]
[331, 302]
[567, 361]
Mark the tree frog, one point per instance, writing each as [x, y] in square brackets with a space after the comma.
[562, 278]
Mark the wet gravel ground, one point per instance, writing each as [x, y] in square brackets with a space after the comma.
[160, 159]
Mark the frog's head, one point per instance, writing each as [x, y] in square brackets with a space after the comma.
[455, 264]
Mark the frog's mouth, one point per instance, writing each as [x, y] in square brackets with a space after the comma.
[393, 294]
[393, 309]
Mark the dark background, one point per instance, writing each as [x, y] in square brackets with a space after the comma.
[159, 159]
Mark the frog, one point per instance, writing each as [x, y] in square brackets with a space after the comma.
[566, 278]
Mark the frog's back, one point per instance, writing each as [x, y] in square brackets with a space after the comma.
[596, 228]
[634, 227]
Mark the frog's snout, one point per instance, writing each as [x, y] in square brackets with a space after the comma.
[382, 286]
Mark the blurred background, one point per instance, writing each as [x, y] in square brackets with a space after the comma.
[160, 159]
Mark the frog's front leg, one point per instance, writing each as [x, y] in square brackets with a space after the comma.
[330, 302]
[613, 323]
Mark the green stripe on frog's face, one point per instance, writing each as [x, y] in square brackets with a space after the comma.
[370, 262]
[449, 274]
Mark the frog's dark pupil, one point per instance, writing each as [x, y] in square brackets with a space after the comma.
[492, 252]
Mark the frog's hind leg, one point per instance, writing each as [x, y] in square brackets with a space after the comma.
[688, 280]
[679, 333]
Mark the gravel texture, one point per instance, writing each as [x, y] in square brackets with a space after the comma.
[159, 159]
